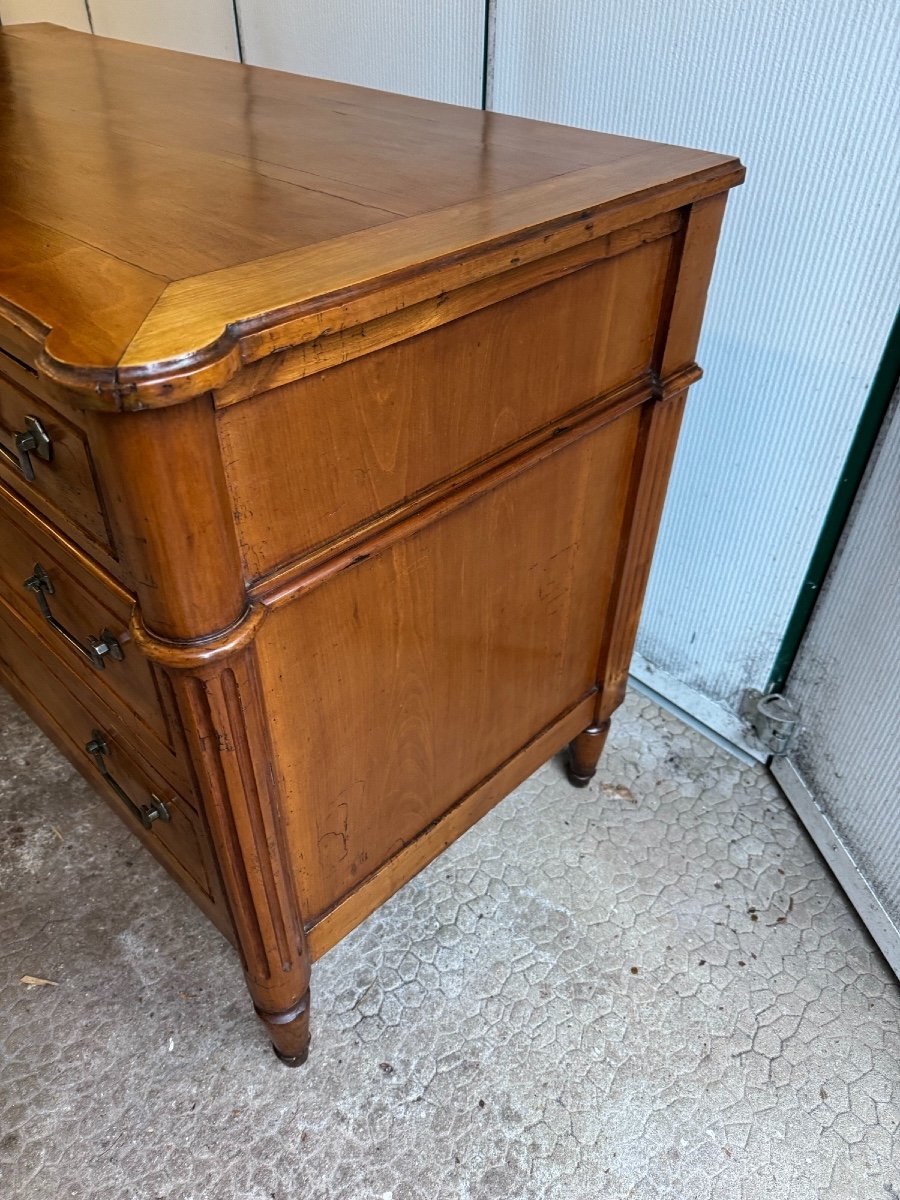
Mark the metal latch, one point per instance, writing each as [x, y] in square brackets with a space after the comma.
[772, 718]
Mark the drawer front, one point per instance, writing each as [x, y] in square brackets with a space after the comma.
[47, 459]
[98, 743]
[313, 459]
[83, 620]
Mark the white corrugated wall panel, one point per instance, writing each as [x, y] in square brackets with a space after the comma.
[430, 48]
[845, 683]
[198, 27]
[805, 288]
[71, 13]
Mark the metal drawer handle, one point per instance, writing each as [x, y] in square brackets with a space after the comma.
[97, 649]
[35, 440]
[145, 813]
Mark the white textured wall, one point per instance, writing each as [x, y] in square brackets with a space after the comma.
[196, 26]
[71, 13]
[807, 282]
[846, 685]
[430, 48]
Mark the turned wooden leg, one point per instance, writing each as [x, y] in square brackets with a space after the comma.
[584, 754]
[289, 1032]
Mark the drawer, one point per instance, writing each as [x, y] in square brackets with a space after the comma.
[314, 459]
[83, 617]
[47, 459]
[166, 818]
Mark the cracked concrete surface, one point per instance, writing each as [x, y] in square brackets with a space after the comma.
[651, 988]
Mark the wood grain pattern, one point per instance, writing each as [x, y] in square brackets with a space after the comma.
[332, 349]
[186, 571]
[364, 408]
[358, 440]
[201, 329]
[66, 306]
[290, 208]
[310, 571]
[463, 651]
[358, 903]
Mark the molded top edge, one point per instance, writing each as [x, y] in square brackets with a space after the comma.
[208, 213]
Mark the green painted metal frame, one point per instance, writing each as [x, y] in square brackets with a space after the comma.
[883, 387]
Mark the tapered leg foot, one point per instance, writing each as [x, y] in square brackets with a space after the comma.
[289, 1032]
[584, 754]
[291, 1060]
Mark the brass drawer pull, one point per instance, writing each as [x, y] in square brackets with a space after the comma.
[97, 649]
[35, 440]
[145, 813]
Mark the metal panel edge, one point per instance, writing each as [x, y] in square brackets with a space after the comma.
[871, 912]
[713, 720]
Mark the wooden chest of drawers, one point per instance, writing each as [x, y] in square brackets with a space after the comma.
[335, 433]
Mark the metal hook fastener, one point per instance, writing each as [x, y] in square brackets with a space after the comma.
[145, 813]
[97, 649]
[34, 440]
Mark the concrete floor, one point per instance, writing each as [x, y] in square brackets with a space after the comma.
[649, 989]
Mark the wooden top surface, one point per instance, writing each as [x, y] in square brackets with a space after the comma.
[155, 207]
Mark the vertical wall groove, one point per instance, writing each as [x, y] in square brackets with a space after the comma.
[427, 48]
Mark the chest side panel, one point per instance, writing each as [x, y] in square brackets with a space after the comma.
[400, 683]
[311, 461]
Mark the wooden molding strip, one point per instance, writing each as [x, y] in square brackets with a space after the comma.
[328, 929]
[201, 330]
[332, 349]
[200, 652]
[364, 542]
[359, 544]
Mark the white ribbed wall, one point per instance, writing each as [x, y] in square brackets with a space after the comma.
[807, 282]
[71, 13]
[845, 684]
[430, 48]
[196, 26]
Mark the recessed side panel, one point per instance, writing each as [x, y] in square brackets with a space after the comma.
[401, 682]
[310, 460]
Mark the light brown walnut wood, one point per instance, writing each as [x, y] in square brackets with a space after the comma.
[378, 430]
[291, 207]
[363, 409]
[460, 640]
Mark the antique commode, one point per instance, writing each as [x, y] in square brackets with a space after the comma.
[335, 428]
